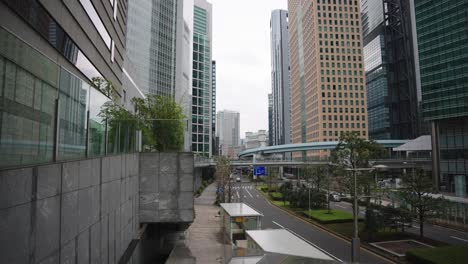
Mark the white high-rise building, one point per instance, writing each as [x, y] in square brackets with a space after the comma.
[228, 131]
[159, 50]
[256, 139]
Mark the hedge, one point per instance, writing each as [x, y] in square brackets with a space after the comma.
[442, 255]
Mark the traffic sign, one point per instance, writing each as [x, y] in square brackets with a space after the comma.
[221, 190]
[259, 171]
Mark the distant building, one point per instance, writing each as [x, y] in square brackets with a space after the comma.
[270, 119]
[228, 131]
[256, 139]
[202, 132]
[443, 59]
[281, 110]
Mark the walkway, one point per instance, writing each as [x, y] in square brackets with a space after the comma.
[204, 235]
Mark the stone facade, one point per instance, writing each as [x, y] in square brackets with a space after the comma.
[166, 187]
[73, 212]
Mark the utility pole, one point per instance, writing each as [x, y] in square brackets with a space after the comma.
[355, 241]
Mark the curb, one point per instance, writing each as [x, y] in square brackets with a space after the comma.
[337, 235]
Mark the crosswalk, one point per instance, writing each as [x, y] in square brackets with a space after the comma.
[245, 187]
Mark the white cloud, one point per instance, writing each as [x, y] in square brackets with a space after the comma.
[241, 48]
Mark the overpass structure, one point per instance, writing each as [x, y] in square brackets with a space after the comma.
[324, 145]
[327, 145]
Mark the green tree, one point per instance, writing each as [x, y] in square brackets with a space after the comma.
[222, 179]
[352, 153]
[163, 123]
[417, 192]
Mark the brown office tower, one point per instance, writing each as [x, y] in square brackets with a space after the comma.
[328, 95]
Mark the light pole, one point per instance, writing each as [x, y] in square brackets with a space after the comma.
[355, 242]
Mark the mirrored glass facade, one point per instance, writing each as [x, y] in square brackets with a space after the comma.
[377, 89]
[202, 82]
[48, 114]
[443, 53]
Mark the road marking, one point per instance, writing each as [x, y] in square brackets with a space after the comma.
[454, 237]
[238, 196]
[249, 193]
[278, 224]
[245, 196]
[326, 252]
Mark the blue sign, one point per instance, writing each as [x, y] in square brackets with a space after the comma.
[259, 171]
[221, 189]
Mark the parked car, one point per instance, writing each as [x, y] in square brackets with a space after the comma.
[335, 198]
[238, 179]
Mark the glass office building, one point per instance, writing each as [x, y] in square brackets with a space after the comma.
[50, 102]
[281, 124]
[443, 53]
[202, 85]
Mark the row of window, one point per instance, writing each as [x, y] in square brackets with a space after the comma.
[339, 9]
[337, 2]
[340, 110]
[339, 79]
[341, 102]
[342, 118]
[340, 133]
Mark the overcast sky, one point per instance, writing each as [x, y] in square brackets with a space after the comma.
[241, 48]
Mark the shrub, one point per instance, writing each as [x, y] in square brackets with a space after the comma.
[323, 217]
[277, 196]
[445, 255]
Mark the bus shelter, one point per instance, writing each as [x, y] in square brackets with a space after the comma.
[237, 218]
[282, 246]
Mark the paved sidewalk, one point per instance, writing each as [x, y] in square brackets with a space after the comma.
[204, 235]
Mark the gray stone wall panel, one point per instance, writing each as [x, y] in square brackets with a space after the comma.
[49, 179]
[69, 217]
[15, 187]
[15, 228]
[47, 227]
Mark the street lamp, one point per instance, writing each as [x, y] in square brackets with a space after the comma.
[355, 242]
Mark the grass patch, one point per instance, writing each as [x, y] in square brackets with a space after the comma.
[445, 255]
[281, 203]
[335, 216]
[277, 196]
[262, 188]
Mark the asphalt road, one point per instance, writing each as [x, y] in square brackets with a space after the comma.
[434, 232]
[276, 218]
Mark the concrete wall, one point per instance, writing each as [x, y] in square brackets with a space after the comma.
[73, 212]
[166, 187]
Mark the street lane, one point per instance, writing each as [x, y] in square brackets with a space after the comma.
[434, 232]
[275, 217]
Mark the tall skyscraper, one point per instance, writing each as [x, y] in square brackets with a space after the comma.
[214, 149]
[202, 81]
[270, 119]
[281, 130]
[228, 131]
[392, 71]
[159, 50]
[378, 110]
[328, 95]
[443, 59]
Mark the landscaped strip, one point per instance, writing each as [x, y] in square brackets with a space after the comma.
[442, 255]
[324, 216]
